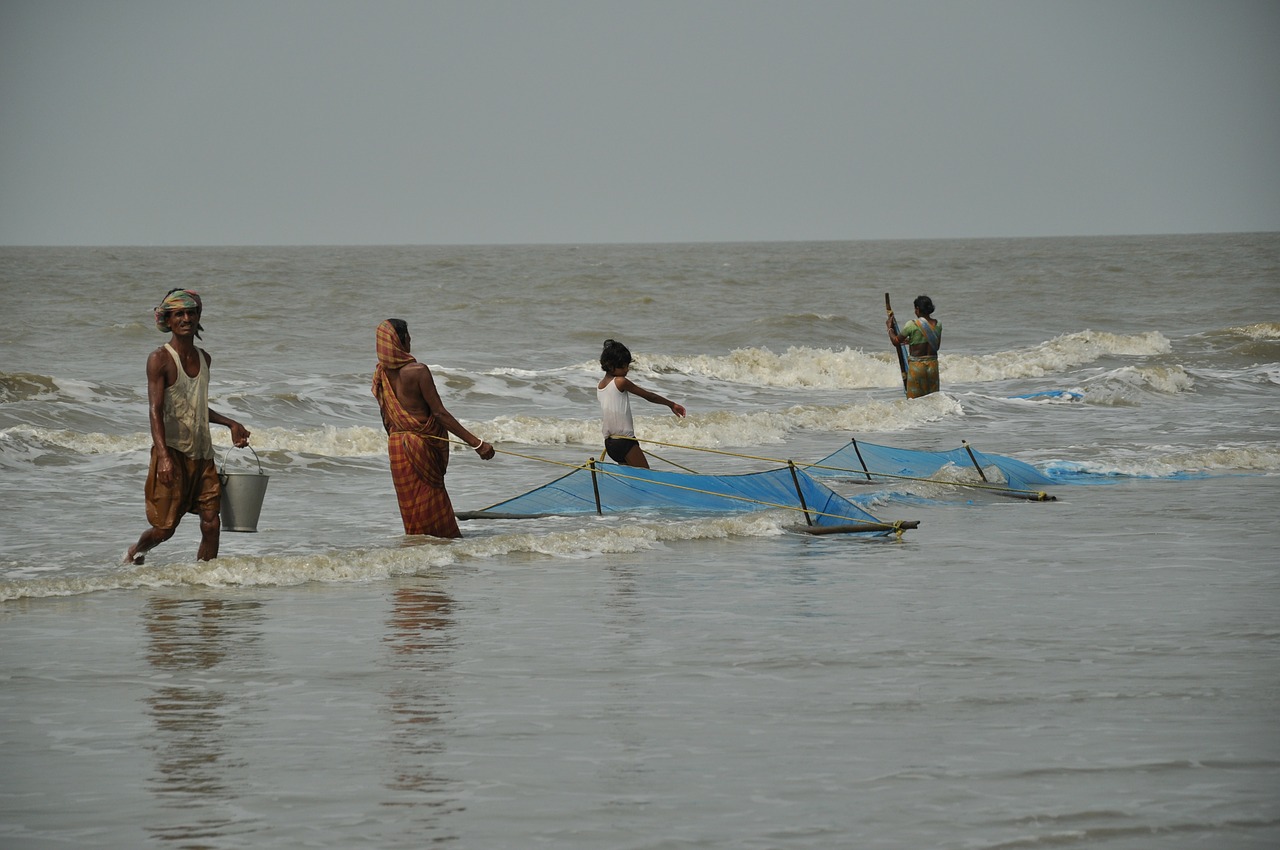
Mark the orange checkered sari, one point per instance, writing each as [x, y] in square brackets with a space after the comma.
[419, 451]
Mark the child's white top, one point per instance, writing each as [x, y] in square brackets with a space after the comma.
[615, 409]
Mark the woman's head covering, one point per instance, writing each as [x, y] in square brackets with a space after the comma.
[178, 299]
[391, 351]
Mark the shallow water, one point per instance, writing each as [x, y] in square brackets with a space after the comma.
[1098, 671]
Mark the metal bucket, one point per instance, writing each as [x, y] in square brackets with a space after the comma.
[242, 495]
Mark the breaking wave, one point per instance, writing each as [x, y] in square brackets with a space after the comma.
[800, 367]
[710, 430]
[1173, 462]
[574, 539]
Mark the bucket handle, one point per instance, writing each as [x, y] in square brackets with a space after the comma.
[247, 446]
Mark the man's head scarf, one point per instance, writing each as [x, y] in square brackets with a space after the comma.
[178, 299]
[391, 352]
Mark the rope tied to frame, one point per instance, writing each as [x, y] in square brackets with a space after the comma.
[1031, 495]
[897, 526]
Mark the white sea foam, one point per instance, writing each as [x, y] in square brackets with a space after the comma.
[1058, 355]
[796, 367]
[81, 443]
[20, 387]
[710, 430]
[800, 367]
[1261, 330]
[541, 431]
[729, 428]
[1261, 458]
[415, 556]
[330, 441]
[23, 386]
[1173, 461]
[1129, 384]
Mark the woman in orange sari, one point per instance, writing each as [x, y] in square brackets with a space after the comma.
[417, 426]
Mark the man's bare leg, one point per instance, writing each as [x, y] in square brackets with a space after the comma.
[210, 534]
[150, 539]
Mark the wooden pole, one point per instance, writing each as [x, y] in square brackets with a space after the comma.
[595, 485]
[858, 452]
[976, 465]
[795, 479]
[902, 357]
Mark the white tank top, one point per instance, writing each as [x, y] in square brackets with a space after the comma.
[615, 409]
[186, 410]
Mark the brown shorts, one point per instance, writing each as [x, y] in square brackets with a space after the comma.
[195, 490]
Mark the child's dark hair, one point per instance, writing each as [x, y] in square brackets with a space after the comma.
[614, 356]
[402, 330]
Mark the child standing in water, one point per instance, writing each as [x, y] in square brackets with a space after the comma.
[614, 392]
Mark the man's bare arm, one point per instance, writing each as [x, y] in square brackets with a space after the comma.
[161, 373]
[239, 433]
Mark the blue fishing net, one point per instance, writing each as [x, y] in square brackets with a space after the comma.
[610, 488]
[859, 460]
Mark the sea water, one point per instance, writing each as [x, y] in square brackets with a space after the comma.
[1097, 671]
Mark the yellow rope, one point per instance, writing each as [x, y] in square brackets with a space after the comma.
[673, 463]
[713, 451]
[604, 452]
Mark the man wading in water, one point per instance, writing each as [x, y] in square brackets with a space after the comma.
[182, 478]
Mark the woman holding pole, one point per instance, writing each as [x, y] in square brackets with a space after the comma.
[923, 338]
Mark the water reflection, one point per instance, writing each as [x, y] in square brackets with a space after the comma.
[625, 775]
[196, 712]
[420, 639]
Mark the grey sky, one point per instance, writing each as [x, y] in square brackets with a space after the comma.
[159, 122]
